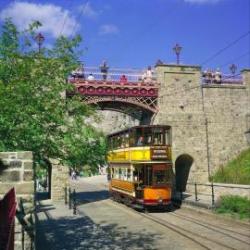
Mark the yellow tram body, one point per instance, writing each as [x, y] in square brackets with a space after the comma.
[141, 174]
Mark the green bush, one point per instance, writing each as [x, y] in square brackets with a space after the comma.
[234, 205]
[236, 171]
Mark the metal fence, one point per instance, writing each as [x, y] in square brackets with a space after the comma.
[224, 79]
[7, 220]
[209, 194]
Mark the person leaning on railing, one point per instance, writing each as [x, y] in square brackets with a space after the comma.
[123, 80]
[217, 76]
[90, 77]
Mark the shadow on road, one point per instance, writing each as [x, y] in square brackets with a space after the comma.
[91, 196]
[80, 232]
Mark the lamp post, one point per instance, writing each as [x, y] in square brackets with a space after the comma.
[104, 70]
[233, 69]
[39, 39]
[177, 49]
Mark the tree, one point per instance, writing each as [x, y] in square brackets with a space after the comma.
[35, 113]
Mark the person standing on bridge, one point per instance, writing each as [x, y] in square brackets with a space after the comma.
[91, 77]
[104, 70]
[123, 80]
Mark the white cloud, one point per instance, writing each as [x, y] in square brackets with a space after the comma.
[52, 17]
[88, 11]
[202, 1]
[108, 29]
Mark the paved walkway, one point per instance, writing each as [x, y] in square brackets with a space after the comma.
[59, 229]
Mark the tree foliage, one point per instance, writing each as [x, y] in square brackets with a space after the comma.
[34, 111]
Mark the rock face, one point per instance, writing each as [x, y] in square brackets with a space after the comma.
[112, 121]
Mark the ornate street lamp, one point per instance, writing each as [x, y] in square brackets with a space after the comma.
[233, 69]
[39, 39]
[177, 49]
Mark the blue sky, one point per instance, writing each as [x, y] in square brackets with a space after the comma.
[135, 33]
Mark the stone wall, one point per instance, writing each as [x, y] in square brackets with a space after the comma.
[59, 180]
[180, 106]
[227, 108]
[208, 122]
[16, 170]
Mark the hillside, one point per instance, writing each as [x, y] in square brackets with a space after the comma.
[236, 171]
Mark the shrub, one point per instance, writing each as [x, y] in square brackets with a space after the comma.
[234, 205]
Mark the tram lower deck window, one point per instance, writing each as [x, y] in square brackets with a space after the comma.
[159, 176]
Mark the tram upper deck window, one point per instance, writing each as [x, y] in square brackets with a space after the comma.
[167, 137]
[158, 136]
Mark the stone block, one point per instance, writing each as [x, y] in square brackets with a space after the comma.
[25, 188]
[5, 187]
[28, 175]
[21, 188]
[8, 155]
[10, 176]
[25, 155]
[28, 164]
[18, 246]
[15, 164]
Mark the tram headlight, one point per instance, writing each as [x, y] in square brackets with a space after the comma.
[160, 200]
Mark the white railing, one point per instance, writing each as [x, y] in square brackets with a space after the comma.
[115, 74]
[224, 79]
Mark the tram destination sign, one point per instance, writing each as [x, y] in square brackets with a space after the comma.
[159, 153]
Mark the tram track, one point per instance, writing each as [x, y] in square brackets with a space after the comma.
[213, 228]
[244, 227]
[194, 237]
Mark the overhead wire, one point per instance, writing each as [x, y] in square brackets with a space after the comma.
[78, 18]
[235, 59]
[225, 48]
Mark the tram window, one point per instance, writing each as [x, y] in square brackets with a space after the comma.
[126, 140]
[135, 174]
[112, 172]
[169, 175]
[158, 138]
[129, 174]
[140, 140]
[148, 136]
[120, 173]
[167, 137]
[148, 175]
[159, 176]
[116, 173]
[123, 174]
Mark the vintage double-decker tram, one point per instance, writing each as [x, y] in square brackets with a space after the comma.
[140, 166]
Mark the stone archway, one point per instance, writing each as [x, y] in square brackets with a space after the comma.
[182, 168]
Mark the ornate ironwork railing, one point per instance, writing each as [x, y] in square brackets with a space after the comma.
[7, 220]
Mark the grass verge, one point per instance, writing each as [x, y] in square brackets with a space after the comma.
[236, 206]
[236, 171]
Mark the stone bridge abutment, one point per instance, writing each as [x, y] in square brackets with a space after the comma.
[209, 121]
